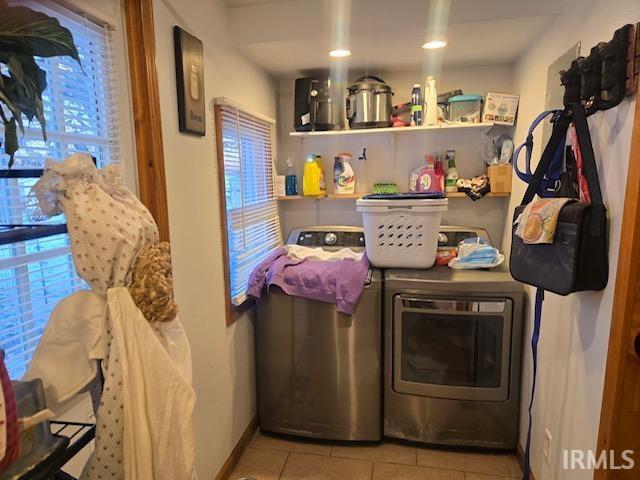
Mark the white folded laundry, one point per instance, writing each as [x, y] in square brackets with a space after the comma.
[308, 253]
[66, 357]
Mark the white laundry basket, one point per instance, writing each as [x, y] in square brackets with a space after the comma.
[401, 233]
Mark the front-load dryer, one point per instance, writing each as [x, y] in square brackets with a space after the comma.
[453, 343]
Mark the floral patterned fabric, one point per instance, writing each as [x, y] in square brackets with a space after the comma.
[108, 225]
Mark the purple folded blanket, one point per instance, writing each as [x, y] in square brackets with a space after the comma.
[340, 282]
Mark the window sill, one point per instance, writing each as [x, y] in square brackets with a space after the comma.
[235, 312]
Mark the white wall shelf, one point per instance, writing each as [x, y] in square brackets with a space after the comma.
[367, 131]
[355, 196]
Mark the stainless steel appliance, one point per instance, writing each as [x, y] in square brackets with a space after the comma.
[453, 344]
[319, 372]
[314, 107]
[369, 103]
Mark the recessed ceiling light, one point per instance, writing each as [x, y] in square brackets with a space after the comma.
[432, 44]
[340, 52]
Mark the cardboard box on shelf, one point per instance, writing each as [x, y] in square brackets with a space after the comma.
[500, 178]
[500, 108]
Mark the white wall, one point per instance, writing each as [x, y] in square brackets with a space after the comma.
[575, 329]
[392, 162]
[222, 357]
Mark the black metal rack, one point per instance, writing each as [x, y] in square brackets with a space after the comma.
[51, 444]
[610, 72]
[12, 233]
[21, 233]
[70, 438]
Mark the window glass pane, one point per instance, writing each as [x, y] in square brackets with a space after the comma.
[253, 226]
[29, 291]
[80, 112]
[457, 350]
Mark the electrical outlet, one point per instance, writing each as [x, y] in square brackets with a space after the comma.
[547, 446]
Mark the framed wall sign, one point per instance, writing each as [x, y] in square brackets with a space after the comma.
[190, 82]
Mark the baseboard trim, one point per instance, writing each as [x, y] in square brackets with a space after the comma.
[238, 450]
[520, 456]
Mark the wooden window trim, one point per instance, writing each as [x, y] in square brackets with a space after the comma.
[145, 96]
[138, 15]
[620, 399]
[232, 312]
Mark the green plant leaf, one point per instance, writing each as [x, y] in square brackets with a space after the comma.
[4, 98]
[27, 72]
[23, 100]
[32, 81]
[10, 140]
[23, 30]
[25, 33]
[7, 98]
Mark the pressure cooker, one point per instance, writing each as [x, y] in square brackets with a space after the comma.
[369, 103]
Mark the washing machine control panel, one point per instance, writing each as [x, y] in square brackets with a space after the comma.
[330, 239]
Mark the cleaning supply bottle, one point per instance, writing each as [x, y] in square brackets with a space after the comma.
[337, 170]
[450, 183]
[427, 180]
[430, 102]
[322, 180]
[291, 181]
[439, 172]
[413, 179]
[346, 181]
[311, 176]
[416, 106]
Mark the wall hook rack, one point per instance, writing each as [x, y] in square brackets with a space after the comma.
[601, 80]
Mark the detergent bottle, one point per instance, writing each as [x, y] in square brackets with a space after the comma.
[346, 180]
[322, 180]
[440, 175]
[427, 180]
[311, 176]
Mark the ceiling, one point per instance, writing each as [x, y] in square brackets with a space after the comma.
[287, 37]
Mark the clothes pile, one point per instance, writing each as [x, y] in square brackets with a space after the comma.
[334, 277]
[475, 188]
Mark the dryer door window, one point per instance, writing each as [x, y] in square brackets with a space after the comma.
[452, 349]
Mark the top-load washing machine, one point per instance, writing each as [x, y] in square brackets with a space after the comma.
[319, 372]
[452, 341]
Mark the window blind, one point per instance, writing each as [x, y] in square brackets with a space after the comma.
[80, 111]
[253, 224]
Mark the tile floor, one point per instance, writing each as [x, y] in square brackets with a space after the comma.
[271, 457]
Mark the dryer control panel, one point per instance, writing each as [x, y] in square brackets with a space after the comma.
[450, 236]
